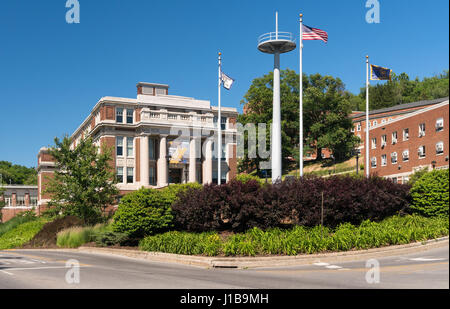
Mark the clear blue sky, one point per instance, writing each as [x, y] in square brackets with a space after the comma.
[52, 73]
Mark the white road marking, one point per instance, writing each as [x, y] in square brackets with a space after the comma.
[426, 259]
[4, 271]
[333, 267]
[38, 268]
[321, 264]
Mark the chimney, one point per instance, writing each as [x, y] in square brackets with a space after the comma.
[152, 89]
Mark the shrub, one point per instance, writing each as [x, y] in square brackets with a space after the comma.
[430, 194]
[148, 211]
[21, 234]
[243, 205]
[20, 218]
[236, 205]
[110, 238]
[244, 178]
[301, 240]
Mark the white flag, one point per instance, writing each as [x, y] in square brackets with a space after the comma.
[227, 81]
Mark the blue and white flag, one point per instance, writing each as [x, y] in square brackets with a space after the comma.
[380, 73]
[227, 81]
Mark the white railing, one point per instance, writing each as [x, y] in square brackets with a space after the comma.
[276, 36]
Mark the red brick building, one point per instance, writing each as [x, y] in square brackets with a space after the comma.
[157, 139]
[18, 198]
[405, 138]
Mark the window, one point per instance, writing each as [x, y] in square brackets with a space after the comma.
[374, 143]
[373, 162]
[223, 123]
[119, 146]
[421, 130]
[358, 127]
[119, 175]
[383, 120]
[33, 201]
[405, 155]
[130, 174]
[20, 200]
[375, 123]
[130, 146]
[394, 180]
[440, 148]
[394, 137]
[394, 158]
[383, 140]
[405, 134]
[7, 201]
[119, 115]
[151, 149]
[129, 116]
[439, 124]
[352, 130]
[152, 176]
[421, 152]
[383, 160]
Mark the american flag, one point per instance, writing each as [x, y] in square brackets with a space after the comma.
[310, 33]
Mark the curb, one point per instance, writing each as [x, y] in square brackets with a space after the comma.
[271, 261]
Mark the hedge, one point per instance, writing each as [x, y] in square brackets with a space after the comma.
[301, 240]
[147, 211]
[239, 206]
[430, 194]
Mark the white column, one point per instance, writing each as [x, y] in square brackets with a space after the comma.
[193, 160]
[367, 119]
[276, 123]
[162, 162]
[301, 97]
[207, 163]
[144, 164]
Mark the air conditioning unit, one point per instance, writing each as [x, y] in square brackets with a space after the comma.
[421, 152]
[394, 141]
[421, 134]
[440, 148]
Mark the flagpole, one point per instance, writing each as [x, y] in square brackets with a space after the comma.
[367, 117]
[301, 98]
[219, 125]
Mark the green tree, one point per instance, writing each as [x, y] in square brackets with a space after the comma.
[84, 181]
[326, 109]
[17, 174]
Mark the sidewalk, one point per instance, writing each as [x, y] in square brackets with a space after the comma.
[270, 261]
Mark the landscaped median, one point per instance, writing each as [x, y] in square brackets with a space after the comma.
[396, 230]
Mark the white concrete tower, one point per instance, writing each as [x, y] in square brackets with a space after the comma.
[276, 43]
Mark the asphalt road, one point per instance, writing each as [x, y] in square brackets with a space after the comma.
[48, 269]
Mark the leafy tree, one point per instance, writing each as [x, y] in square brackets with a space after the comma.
[17, 174]
[84, 181]
[326, 109]
[403, 90]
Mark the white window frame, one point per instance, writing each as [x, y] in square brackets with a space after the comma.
[406, 134]
[119, 138]
[374, 143]
[122, 174]
[119, 112]
[372, 161]
[383, 160]
[439, 124]
[383, 140]
[405, 159]
[358, 127]
[394, 155]
[128, 148]
[422, 156]
[422, 130]
[132, 174]
[394, 137]
[127, 115]
[442, 151]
